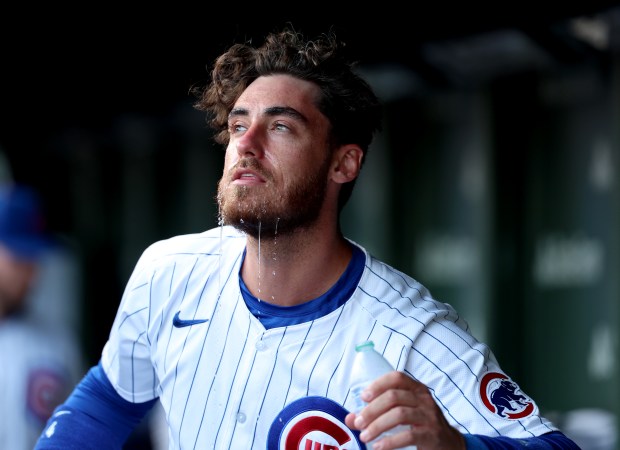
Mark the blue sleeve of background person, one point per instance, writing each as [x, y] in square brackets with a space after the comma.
[93, 417]
[549, 441]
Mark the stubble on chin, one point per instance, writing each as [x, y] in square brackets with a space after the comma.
[240, 207]
[268, 210]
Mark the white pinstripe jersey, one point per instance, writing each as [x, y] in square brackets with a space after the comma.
[226, 382]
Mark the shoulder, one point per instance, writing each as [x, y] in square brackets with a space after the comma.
[209, 241]
[384, 284]
[399, 302]
[214, 242]
[222, 245]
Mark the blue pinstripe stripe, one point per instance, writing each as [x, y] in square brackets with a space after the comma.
[273, 368]
[245, 385]
[337, 366]
[457, 387]
[184, 292]
[288, 390]
[451, 330]
[232, 383]
[185, 341]
[331, 333]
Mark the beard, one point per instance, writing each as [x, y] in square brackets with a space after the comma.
[267, 210]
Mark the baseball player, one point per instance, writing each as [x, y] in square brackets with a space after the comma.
[38, 366]
[246, 333]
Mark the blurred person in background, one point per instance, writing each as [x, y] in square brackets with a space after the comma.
[39, 362]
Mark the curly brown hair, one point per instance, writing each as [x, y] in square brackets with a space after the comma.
[347, 100]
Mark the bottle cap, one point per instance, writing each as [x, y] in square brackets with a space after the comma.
[364, 345]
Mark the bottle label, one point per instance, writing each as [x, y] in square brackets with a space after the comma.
[358, 403]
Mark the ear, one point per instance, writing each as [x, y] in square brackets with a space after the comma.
[347, 163]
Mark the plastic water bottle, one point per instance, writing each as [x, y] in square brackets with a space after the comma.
[368, 366]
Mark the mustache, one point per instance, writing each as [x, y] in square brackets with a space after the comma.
[250, 163]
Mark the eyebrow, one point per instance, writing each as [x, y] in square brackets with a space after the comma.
[272, 111]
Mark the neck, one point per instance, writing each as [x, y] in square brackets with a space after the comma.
[294, 268]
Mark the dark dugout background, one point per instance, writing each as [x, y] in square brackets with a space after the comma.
[494, 182]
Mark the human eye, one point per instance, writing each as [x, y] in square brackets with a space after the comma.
[280, 126]
[236, 128]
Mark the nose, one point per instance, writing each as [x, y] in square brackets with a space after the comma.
[251, 142]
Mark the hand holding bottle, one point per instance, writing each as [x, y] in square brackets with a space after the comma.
[394, 410]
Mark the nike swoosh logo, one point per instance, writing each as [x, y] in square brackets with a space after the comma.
[180, 323]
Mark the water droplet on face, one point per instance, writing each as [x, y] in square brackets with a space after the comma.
[259, 264]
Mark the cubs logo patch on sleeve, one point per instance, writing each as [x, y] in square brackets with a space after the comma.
[312, 423]
[504, 398]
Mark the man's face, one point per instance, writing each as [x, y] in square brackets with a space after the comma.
[16, 276]
[278, 159]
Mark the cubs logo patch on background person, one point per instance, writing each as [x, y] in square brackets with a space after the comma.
[44, 392]
[504, 398]
[312, 423]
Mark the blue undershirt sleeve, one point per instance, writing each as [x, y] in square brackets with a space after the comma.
[549, 441]
[93, 417]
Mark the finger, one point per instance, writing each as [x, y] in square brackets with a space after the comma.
[393, 403]
[375, 422]
[400, 437]
[349, 421]
[391, 380]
